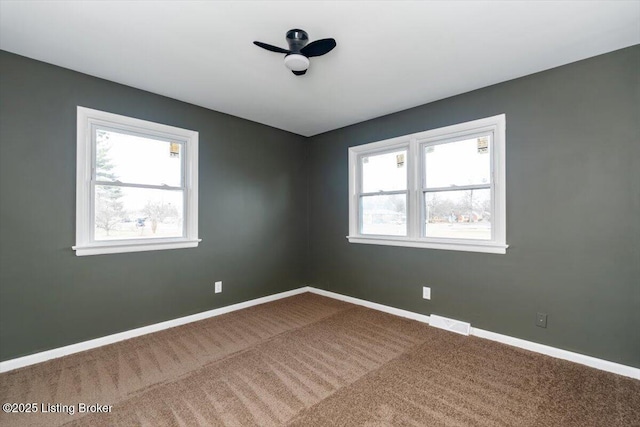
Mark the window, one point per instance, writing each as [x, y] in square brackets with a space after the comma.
[440, 189]
[137, 185]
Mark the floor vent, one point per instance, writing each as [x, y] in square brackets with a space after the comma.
[449, 324]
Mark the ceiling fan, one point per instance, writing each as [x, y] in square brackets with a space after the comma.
[299, 52]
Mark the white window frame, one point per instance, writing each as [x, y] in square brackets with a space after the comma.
[415, 143]
[387, 148]
[87, 120]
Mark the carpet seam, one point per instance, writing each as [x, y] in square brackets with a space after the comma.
[361, 378]
[152, 387]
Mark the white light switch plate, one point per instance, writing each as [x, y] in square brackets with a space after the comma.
[426, 293]
[218, 287]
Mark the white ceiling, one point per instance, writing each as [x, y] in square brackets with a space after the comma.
[390, 55]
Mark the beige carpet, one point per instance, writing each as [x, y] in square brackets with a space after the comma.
[313, 361]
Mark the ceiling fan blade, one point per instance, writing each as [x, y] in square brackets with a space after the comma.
[318, 47]
[271, 48]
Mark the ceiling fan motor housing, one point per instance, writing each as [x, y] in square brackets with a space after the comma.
[297, 39]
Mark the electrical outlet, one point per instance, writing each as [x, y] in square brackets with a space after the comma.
[218, 287]
[541, 320]
[426, 292]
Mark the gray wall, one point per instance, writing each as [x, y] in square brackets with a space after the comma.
[573, 209]
[253, 221]
[573, 203]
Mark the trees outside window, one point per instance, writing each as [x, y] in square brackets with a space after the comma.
[441, 189]
[131, 173]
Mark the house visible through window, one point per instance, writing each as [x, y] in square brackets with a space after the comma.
[457, 188]
[137, 185]
[441, 189]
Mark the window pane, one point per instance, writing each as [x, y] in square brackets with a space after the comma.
[137, 160]
[384, 172]
[458, 163]
[384, 214]
[462, 214]
[137, 213]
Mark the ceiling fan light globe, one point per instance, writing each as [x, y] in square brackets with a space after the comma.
[296, 62]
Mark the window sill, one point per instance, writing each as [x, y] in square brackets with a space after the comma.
[486, 247]
[114, 248]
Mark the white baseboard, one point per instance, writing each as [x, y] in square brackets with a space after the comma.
[380, 307]
[31, 359]
[604, 365]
